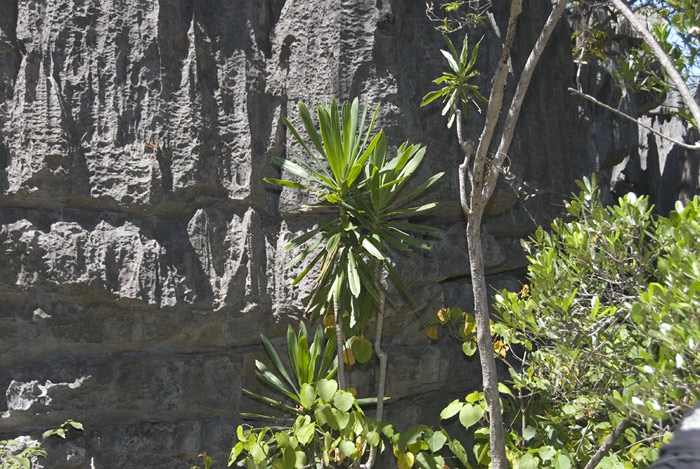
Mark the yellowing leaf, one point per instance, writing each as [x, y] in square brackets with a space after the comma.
[432, 333]
[404, 460]
[328, 321]
[352, 391]
[469, 325]
[348, 357]
[524, 292]
[444, 315]
[500, 348]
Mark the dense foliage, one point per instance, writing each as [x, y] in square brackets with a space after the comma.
[604, 338]
[324, 426]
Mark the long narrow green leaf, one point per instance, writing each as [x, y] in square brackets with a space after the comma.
[310, 129]
[334, 159]
[450, 46]
[292, 184]
[406, 238]
[349, 129]
[420, 208]
[338, 282]
[432, 96]
[308, 268]
[450, 102]
[451, 61]
[357, 167]
[326, 178]
[372, 249]
[296, 135]
[475, 52]
[353, 276]
[315, 359]
[330, 360]
[292, 351]
[303, 357]
[369, 282]
[302, 255]
[301, 239]
[397, 281]
[337, 139]
[269, 401]
[415, 159]
[415, 227]
[333, 242]
[269, 378]
[464, 53]
[369, 129]
[296, 170]
[272, 353]
[420, 189]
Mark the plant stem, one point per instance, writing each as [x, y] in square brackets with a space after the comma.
[339, 345]
[489, 374]
[608, 443]
[382, 356]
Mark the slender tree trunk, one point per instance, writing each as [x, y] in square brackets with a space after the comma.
[484, 341]
[382, 356]
[482, 177]
[339, 344]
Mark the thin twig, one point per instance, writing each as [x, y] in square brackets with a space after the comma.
[608, 443]
[639, 123]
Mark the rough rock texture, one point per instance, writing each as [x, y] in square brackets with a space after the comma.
[142, 252]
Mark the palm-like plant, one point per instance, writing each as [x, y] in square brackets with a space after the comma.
[348, 169]
[309, 363]
[456, 87]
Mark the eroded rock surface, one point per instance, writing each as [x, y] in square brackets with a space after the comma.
[142, 252]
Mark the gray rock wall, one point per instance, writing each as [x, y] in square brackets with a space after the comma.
[142, 250]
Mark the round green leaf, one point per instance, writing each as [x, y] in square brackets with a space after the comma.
[305, 433]
[342, 418]
[361, 349]
[343, 400]
[326, 389]
[372, 438]
[562, 462]
[529, 433]
[347, 448]
[436, 441]
[452, 409]
[546, 452]
[469, 348]
[470, 414]
[307, 395]
[282, 438]
[529, 461]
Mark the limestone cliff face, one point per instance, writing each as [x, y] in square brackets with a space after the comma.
[142, 252]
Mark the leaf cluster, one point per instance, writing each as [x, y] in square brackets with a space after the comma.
[608, 329]
[321, 425]
[353, 174]
[457, 89]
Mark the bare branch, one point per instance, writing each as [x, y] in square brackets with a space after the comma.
[673, 74]
[590, 98]
[496, 96]
[520, 91]
[608, 443]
